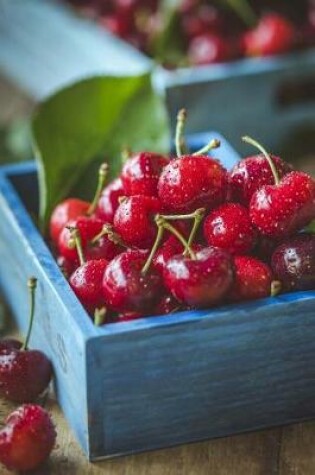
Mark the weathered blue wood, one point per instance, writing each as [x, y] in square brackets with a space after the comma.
[162, 381]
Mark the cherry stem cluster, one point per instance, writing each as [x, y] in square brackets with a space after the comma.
[76, 241]
[108, 231]
[32, 284]
[102, 175]
[256, 144]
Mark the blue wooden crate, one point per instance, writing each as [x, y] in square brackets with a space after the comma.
[152, 383]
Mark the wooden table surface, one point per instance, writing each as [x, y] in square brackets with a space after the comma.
[280, 451]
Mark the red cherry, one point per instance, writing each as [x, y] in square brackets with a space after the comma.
[88, 228]
[293, 263]
[199, 282]
[209, 48]
[251, 173]
[274, 34]
[141, 172]
[253, 279]
[167, 305]
[134, 220]
[203, 19]
[128, 316]
[280, 210]
[64, 212]
[27, 438]
[86, 282]
[127, 288]
[192, 182]
[109, 201]
[229, 227]
[169, 248]
[66, 266]
[24, 373]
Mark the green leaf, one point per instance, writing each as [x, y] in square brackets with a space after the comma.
[89, 122]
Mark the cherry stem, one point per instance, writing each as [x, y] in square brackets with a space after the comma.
[126, 154]
[99, 316]
[244, 11]
[199, 215]
[177, 234]
[31, 284]
[176, 217]
[75, 236]
[214, 143]
[108, 231]
[155, 246]
[179, 133]
[276, 287]
[102, 175]
[266, 155]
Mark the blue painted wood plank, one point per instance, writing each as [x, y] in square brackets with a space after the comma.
[162, 381]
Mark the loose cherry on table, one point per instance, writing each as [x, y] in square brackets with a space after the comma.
[71, 208]
[27, 438]
[192, 181]
[281, 209]
[24, 373]
[293, 263]
[229, 227]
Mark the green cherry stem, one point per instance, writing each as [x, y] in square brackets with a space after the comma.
[108, 231]
[102, 175]
[158, 239]
[100, 316]
[178, 235]
[199, 215]
[176, 217]
[276, 287]
[76, 238]
[179, 133]
[214, 143]
[32, 284]
[256, 144]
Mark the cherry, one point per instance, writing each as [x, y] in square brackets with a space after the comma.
[134, 220]
[66, 266]
[128, 316]
[293, 263]
[265, 247]
[282, 209]
[274, 34]
[88, 227]
[24, 373]
[201, 280]
[129, 286]
[27, 438]
[229, 227]
[203, 19]
[209, 48]
[167, 305]
[86, 281]
[105, 245]
[64, 212]
[192, 181]
[71, 208]
[141, 173]
[251, 173]
[109, 201]
[253, 280]
[169, 248]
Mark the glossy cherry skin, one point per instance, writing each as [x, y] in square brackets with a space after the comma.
[281, 210]
[65, 211]
[201, 20]
[293, 263]
[27, 438]
[88, 228]
[229, 227]
[24, 374]
[250, 174]
[274, 34]
[67, 266]
[103, 248]
[192, 182]
[109, 201]
[126, 288]
[171, 247]
[86, 282]
[202, 282]
[134, 220]
[209, 48]
[168, 304]
[141, 173]
[253, 279]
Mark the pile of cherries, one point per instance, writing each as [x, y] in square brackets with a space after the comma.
[28, 434]
[207, 31]
[177, 233]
